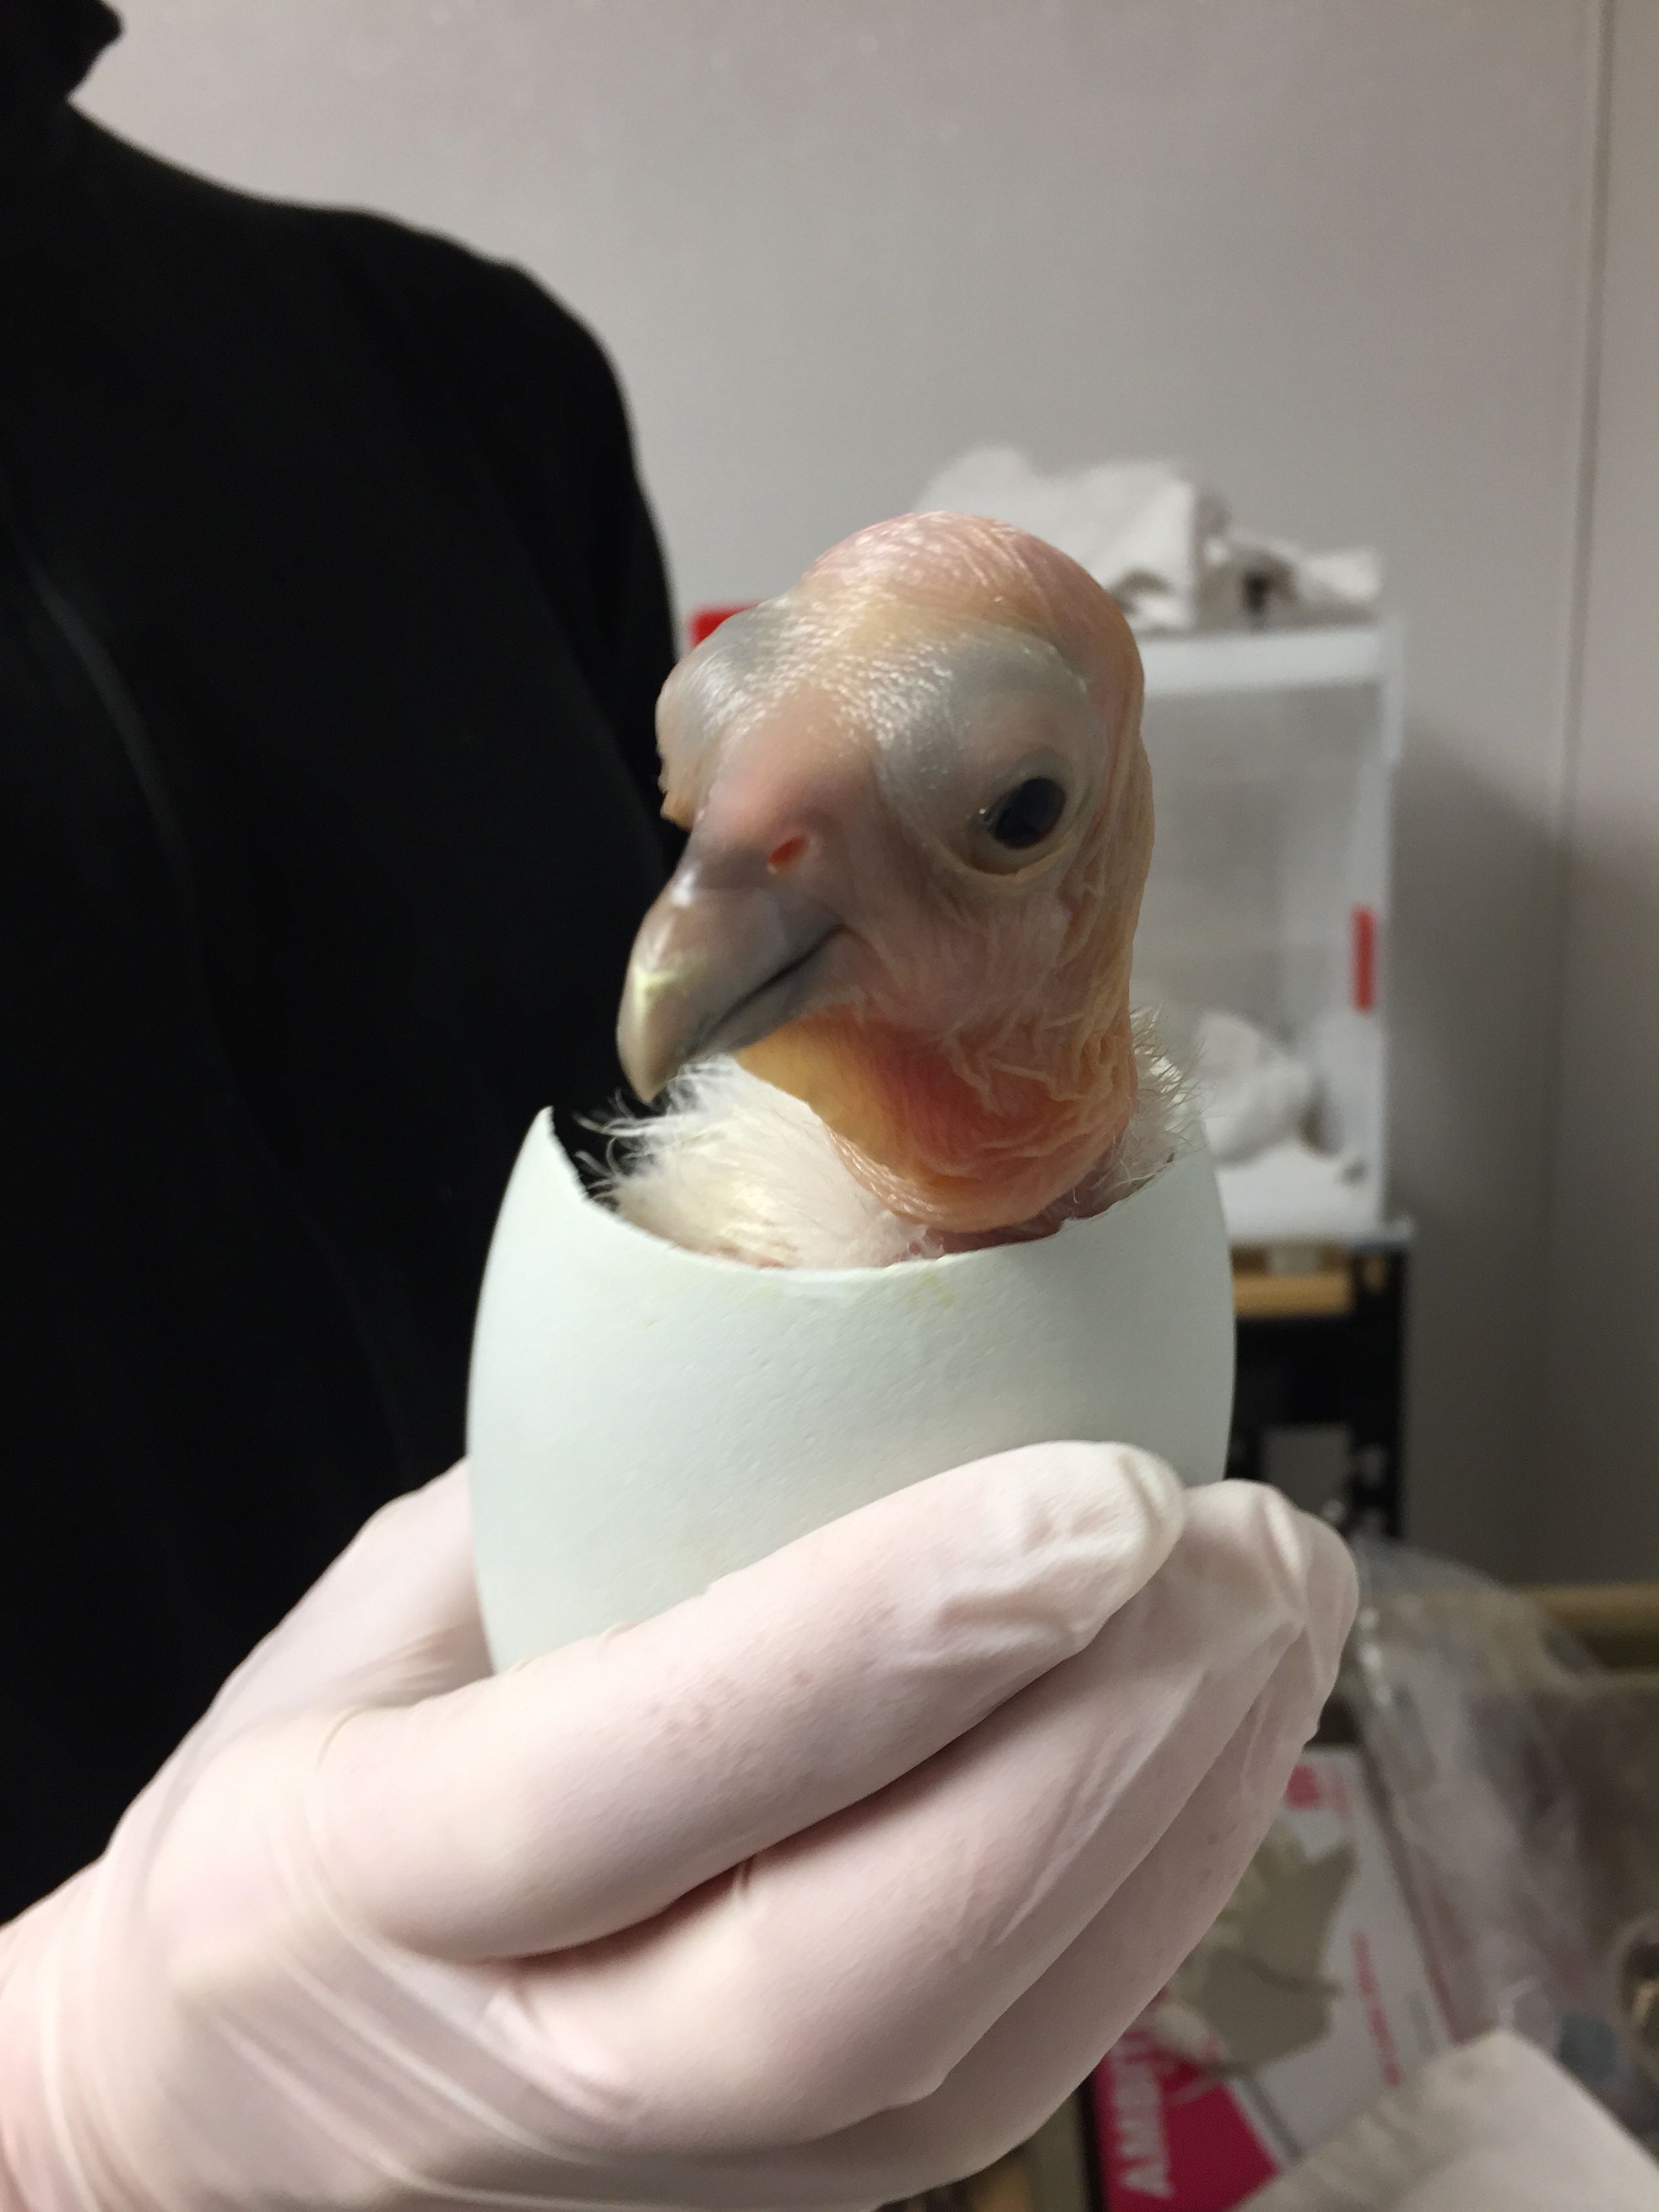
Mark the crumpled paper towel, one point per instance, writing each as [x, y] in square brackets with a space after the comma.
[1493, 2127]
[1251, 1092]
[1166, 548]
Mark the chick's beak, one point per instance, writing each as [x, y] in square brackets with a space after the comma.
[729, 953]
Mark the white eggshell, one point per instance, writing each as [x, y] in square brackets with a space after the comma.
[644, 1419]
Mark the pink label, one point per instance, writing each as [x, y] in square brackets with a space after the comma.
[1171, 2136]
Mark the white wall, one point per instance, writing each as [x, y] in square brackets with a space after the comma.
[1599, 1515]
[1338, 253]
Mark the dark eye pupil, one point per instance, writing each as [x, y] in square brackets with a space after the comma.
[1027, 814]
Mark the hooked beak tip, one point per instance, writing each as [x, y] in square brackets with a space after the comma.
[652, 1041]
[714, 970]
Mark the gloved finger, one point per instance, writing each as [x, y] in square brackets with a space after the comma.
[394, 1619]
[588, 1789]
[1056, 2032]
[1032, 2059]
[1038, 2052]
[854, 1966]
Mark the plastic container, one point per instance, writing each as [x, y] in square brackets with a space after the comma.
[1273, 757]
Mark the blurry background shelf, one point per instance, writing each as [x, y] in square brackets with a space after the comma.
[1310, 659]
[1319, 1406]
[1618, 1622]
[1266, 910]
[1261, 1294]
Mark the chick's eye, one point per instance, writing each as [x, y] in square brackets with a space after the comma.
[1026, 814]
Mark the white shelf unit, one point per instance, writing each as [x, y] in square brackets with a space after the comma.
[1273, 755]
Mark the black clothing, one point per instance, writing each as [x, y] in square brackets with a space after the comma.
[330, 624]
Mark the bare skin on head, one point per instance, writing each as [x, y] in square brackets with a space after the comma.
[920, 819]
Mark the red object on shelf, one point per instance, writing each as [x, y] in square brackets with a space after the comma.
[705, 621]
[1363, 963]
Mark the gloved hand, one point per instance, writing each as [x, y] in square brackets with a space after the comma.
[817, 1890]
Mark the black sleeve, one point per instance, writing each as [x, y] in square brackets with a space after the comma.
[552, 430]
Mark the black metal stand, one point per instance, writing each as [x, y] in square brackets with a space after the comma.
[1319, 1401]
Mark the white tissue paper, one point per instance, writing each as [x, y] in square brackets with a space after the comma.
[643, 1419]
[1164, 546]
[1256, 1103]
[1252, 1093]
[1494, 2127]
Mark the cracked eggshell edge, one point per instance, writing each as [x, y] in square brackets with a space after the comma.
[644, 1419]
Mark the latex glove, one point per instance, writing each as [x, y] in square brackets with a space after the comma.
[817, 1890]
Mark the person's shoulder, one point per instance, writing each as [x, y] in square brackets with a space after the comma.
[465, 305]
[469, 303]
[431, 270]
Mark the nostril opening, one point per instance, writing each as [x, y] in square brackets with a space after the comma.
[786, 854]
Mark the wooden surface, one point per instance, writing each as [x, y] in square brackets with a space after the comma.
[1618, 1621]
[1298, 1282]
[1259, 1296]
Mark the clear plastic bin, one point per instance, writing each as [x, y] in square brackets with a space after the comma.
[1273, 757]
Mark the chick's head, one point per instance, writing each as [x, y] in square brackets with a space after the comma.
[919, 820]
